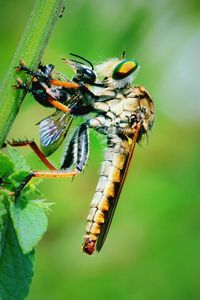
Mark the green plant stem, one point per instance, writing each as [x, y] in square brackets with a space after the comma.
[31, 47]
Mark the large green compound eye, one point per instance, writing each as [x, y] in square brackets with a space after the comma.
[124, 69]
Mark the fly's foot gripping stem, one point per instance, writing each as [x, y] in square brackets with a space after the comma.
[22, 186]
[43, 174]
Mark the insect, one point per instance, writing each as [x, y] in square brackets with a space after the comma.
[53, 89]
[121, 112]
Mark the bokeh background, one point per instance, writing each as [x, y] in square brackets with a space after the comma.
[153, 248]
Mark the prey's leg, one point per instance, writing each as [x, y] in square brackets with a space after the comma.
[37, 74]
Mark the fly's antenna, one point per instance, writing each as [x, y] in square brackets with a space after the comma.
[84, 59]
[123, 54]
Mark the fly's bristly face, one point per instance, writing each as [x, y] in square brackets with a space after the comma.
[118, 73]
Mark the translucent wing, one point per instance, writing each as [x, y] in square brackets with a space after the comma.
[118, 188]
[53, 130]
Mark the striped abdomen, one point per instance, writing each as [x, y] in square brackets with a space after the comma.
[105, 198]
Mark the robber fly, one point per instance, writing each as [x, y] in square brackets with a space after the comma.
[121, 112]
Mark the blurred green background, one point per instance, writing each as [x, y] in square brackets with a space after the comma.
[153, 247]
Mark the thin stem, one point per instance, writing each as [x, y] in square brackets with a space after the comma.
[31, 47]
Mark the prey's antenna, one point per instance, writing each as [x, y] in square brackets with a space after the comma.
[73, 60]
[76, 61]
[84, 59]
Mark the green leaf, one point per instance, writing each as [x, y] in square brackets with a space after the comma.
[29, 213]
[17, 159]
[16, 269]
[30, 223]
[3, 225]
[13, 169]
[6, 166]
[17, 178]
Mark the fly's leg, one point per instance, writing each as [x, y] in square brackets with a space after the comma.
[35, 148]
[52, 173]
[78, 149]
[44, 174]
[21, 186]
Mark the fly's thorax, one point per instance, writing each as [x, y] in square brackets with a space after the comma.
[122, 103]
[116, 100]
[128, 106]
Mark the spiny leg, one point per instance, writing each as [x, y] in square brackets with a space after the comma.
[78, 149]
[52, 97]
[46, 82]
[58, 105]
[51, 92]
[37, 74]
[65, 84]
[23, 86]
[43, 174]
[53, 173]
[46, 78]
[42, 76]
[35, 148]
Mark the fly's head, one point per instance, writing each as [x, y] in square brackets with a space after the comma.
[118, 73]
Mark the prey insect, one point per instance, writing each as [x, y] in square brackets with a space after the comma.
[114, 108]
